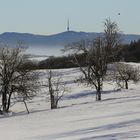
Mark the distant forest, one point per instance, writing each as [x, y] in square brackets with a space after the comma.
[131, 52]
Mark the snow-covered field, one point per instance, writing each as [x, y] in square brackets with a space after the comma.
[79, 116]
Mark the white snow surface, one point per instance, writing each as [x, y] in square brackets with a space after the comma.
[79, 116]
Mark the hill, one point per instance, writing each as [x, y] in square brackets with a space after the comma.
[59, 39]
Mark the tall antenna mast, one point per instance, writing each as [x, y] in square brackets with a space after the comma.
[68, 26]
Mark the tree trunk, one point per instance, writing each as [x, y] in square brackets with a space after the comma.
[99, 87]
[126, 84]
[8, 102]
[98, 95]
[26, 106]
[53, 106]
[4, 101]
[53, 103]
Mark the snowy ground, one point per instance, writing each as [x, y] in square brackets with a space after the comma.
[79, 116]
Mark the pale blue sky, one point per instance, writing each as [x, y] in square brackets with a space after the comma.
[50, 16]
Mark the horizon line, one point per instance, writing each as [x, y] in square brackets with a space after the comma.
[59, 33]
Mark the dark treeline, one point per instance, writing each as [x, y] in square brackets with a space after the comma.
[131, 52]
[60, 62]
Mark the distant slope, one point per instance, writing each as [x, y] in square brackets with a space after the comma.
[57, 39]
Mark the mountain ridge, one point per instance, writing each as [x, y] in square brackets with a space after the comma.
[62, 38]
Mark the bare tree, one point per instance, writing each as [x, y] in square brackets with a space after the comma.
[15, 78]
[98, 53]
[56, 87]
[111, 38]
[125, 73]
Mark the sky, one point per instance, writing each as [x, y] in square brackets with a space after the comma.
[48, 17]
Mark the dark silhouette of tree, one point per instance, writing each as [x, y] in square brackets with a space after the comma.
[15, 78]
[97, 54]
